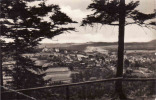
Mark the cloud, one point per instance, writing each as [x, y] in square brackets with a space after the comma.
[74, 4]
[76, 9]
[146, 6]
[105, 34]
[75, 14]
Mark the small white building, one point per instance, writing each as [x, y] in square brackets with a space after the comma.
[57, 50]
[45, 50]
[40, 62]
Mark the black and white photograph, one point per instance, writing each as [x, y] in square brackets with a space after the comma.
[77, 49]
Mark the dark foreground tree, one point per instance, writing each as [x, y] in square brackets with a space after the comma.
[26, 26]
[115, 12]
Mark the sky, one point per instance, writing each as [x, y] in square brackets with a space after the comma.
[76, 9]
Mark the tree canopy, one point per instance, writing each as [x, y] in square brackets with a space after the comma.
[26, 23]
[107, 12]
[26, 26]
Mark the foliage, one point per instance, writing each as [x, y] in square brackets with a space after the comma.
[107, 12]
[26, 26]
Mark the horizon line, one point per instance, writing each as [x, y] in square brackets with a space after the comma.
[96, 42]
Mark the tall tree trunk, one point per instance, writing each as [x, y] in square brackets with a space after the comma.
[1, 72]
[118, 85]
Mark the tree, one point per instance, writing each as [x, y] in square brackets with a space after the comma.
[114, 12]
[26, 26]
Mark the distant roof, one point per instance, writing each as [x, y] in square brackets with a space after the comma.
[38, 71]
[40, 62]
[33, 59]
[28, 54]
[58, 69]
[9, 63]
[47, 64]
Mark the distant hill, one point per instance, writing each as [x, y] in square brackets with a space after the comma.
[104, 45]
[153, 42]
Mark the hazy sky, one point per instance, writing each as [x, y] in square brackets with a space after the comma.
[76, 9]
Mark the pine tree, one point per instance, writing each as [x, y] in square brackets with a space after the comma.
[26, 26]
[115, 12]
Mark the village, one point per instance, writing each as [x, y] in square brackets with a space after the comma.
[68, 66]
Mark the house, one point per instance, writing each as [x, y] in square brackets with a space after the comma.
[40, 62]
[91, 64]
[80, 56]
[57, 74]
[141, 73]
[34, 59]
[75, 52]
[47, 65]
[6, 67]
[57, 50]
[28, 55]
[45, 50]
[93, 78]
[7, 78]
[8, 64]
